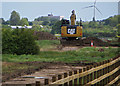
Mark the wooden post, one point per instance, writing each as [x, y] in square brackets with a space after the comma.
[53, 78]
[84, 80]
[85, 77]
[70, 82]
[88, 76]
[26, 85]
[105, 80]
[37, 83]
[95, 75]
[84, 69]
[65, 75]
[60, 77]
[80, 79]
[46, 82]
[75, 80]
[98, 74]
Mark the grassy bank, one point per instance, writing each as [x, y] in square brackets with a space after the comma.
[48, 44]
[89, 54]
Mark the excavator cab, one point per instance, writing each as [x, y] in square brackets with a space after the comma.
[70, 31]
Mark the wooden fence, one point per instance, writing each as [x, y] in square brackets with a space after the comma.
[105, 73]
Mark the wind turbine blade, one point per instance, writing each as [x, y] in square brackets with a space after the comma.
[98, 10]
[95, 2]
[88, 7]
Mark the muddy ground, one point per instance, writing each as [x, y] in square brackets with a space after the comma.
[38, 67]
[44, 69]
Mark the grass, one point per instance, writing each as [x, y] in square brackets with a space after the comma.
[47, 44]
[10, 68]
[89, 54]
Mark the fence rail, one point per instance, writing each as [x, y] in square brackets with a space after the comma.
[102, 73]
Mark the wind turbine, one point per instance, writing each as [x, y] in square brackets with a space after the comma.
[94, 6]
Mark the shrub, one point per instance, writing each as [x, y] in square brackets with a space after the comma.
[18, 41]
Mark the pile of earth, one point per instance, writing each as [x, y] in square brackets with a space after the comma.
[85, 42]
[96, 41]
[44, 35]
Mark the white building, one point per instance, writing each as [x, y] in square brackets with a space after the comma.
[14, 27]
[56, 17]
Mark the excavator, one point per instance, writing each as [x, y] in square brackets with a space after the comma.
[71, 33]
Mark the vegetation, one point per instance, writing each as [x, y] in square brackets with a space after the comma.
[14, 18]
[18, 41]
[24, 21]
[48, 44]
[88, 54]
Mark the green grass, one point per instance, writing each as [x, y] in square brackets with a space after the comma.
[47, 44]
[13, 68]
[89, 54]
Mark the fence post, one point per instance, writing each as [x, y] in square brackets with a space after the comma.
[46, 82]
[94, 72]
[53, 78]
[26, 85]
[84, 77]
[37, 83]
[70, 82]
[88, 76]
[75, 80]
[65, 75]
[60, 77]
[80, 79]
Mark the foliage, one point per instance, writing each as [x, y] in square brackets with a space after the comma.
[24, 21]
[47, 44]
[14, 18]
[2, 21]
[88, 54]
[30, 23]
[112, 21]
[18, 41]
[37, 22]
[45, 21]
[56, 28]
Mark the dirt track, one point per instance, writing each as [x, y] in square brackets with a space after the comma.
[46, 70]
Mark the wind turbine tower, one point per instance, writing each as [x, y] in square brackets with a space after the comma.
[94, 8]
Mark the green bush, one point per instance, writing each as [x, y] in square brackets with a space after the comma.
[18, 41]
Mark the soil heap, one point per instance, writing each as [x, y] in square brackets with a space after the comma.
[44, 35]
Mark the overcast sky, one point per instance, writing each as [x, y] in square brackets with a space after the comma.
[32, 10]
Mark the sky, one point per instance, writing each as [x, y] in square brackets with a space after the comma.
[33, 10]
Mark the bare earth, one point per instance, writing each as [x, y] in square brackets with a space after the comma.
[42, 74]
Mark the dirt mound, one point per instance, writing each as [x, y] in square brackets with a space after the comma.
[84, 42]
[96, 41]
[44, 35]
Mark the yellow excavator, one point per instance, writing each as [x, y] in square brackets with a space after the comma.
[71, 34]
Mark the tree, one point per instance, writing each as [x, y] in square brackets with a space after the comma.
[36, 27]
[45, 23]
[56, 27]
[2, 21]
[24, 21]
[112, 21]
[92, 24]
[30, 23]
[14, 18]
[19, 41]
